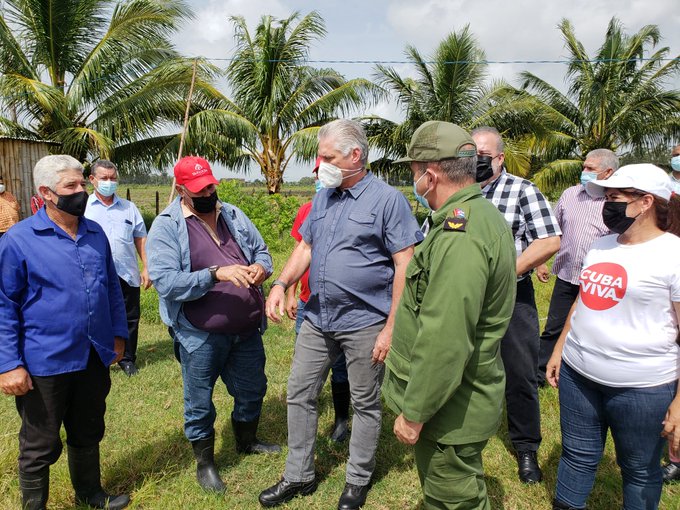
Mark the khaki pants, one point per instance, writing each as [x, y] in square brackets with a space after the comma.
[452, 476]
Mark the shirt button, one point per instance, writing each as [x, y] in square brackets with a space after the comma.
[91, 314]
[87, 291]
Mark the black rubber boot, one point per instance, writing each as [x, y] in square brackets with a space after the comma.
[35, 488]
[341, 400]
[83, 465]
[558, 505]
[245, 434]
[206, 472]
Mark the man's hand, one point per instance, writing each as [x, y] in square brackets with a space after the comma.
[275, 302]
[16, 382]
[406, 431]
[119, 348]
[671, 427]
[291, 308]
[239, 275]
[542, 273]
[146, 281]
[382, 346]
[258, 273]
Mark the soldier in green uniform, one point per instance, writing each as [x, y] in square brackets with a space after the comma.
[445, 376]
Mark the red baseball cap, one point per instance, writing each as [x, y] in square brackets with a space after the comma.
[194, 173]
[316, 164]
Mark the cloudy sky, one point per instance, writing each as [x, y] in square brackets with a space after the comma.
[379, 30]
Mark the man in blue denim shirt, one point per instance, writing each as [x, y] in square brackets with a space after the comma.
[62, 323]
[207, 261]
[359, 238]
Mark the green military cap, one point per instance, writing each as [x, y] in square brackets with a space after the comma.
[435, 140]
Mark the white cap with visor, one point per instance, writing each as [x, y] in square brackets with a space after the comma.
[643, 176]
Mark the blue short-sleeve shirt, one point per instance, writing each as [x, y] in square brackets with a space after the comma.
[123, 223]
[353, 234]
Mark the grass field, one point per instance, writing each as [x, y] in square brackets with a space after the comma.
[145, 452]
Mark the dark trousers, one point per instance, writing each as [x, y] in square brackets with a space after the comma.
[519, 350]
[76, 399]
[131, 298]
[563, 297]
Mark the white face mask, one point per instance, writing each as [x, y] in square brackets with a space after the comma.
[2, 188]
[330, 176]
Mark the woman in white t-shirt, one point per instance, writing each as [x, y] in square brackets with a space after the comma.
[617, 360]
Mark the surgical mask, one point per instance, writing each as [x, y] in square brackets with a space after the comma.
[73, 204]
[675, 163]
[317, 186]
[204, 205]
[107, 188]
[421, 198]
[614, 216]
[586, 177]
[2, 188]
[331, 176]
[484, 168]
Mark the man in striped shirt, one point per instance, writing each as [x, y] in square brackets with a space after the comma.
[580, 219]
[536, 234]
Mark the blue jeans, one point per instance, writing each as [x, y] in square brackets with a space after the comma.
[339, 368]
[634, 416]
[237, 359]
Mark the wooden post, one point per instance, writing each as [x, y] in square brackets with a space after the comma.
[158, 201]
[184, 128]
[127, 195]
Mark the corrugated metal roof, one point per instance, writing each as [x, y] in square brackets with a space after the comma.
[25, 139]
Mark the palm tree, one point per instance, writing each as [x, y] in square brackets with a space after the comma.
[100, 78]
[618, 100]
[451, 86]
[278, 103]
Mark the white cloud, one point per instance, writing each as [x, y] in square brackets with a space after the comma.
[508, 30]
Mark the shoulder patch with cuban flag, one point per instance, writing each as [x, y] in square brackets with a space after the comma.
[457, 221]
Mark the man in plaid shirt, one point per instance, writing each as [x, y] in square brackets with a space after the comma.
[537, 238]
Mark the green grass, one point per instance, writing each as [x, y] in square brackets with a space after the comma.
[145, 453]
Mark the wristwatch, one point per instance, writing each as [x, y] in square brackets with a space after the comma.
[213, 273]
[280, 283]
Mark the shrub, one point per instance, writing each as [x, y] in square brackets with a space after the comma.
[273, 215]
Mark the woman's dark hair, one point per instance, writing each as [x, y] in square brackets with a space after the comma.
[668, 214]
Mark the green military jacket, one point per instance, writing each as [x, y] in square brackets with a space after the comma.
[444, 368]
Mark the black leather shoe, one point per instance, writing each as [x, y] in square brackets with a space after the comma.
[129, 368]
[353, 497]
[284, 491]
[528, 471]
[671, 473]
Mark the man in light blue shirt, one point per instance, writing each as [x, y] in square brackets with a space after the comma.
[125, 230]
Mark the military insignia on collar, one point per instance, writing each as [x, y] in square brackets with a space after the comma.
[455, 224]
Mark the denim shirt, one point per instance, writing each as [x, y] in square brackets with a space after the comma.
[169, 263]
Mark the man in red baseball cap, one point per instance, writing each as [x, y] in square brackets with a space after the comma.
[208, 261]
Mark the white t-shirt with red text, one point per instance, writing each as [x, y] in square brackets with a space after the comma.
[624, 329]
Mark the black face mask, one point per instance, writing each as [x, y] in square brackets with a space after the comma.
[205, 205]
[484, 168]
[614, 216]
[72, 204]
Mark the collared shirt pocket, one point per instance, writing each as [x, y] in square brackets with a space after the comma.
[362, 225]
[123, 232]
